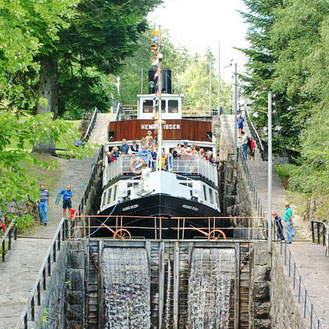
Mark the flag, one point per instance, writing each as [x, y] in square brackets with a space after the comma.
[230, 64]
[155, 32]
[155, 40]
[156, 75]
[156, 62]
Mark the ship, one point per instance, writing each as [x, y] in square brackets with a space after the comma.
[139, 187]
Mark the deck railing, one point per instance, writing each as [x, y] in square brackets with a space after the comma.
[185, 165]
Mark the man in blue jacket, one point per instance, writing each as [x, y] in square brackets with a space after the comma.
[277, 220]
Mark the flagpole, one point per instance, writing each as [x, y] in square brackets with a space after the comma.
[210, 85]
[159, 102]
[219, 86]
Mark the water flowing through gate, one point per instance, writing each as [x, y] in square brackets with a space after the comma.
[126, 280]
[210, 287]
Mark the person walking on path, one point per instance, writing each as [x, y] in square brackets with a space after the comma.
[43, 205]
[289, 224]
[277, 220]
[67, 200]
[244, 145]
[241, 124]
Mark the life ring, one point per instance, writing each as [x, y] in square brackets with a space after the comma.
[136, 162]
[216, 234]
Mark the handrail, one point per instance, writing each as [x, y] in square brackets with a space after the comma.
[91, 180]
[320, 230]
[34, 299]
[255, 135]
[10, 230]
[298, 283]
[91, 125]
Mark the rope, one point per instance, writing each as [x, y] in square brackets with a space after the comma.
[104, 221]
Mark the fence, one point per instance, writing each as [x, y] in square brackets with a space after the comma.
[255, 135]
[91, 126]
[320, 232]
[212, 228]
[299, 288]
[45, 271]
[7, 239]
[95, 173]
[187, 165]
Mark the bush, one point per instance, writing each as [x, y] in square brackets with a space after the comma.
[24, 223]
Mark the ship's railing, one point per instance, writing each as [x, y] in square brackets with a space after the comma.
[186, 165]
[118, 226]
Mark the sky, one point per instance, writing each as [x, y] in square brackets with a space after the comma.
[199, 24]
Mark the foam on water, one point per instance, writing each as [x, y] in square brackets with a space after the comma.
[126, 281]
[210, 288]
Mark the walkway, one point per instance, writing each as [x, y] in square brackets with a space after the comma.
[19, 272]
[309, 257]
[100, 132]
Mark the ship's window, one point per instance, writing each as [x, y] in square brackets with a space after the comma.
[148, 106]
[172, 106]
[115, 192]
[211, 195]
[109, 195]
[216, 194]
[163, 106]
[104, 198]
[204, 192]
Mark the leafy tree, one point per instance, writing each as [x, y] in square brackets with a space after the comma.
[102, 34]
[16, 139]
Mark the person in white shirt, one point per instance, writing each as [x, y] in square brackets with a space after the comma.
[244, 145]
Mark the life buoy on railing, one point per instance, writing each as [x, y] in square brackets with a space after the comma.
[136, 163]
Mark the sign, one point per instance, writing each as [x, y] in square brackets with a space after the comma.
[165, 127]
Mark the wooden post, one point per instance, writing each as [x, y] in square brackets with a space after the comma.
[176, 284]
[237, 286]
[161, 281]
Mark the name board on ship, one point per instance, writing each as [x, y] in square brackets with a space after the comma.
[165, 127]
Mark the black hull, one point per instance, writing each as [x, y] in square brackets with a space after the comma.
[160, 206]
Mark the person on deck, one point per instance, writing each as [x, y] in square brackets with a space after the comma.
[241, 124]
[124, 148]
[67, 200]
[277, 220]
[43, 205]
[289, 224]
[134, 148]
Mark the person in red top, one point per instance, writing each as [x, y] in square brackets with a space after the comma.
[251, 148]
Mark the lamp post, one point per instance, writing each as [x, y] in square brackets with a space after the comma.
[269, 178]
[235, 114]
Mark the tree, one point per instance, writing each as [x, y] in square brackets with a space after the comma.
[102, 34]
[16, 140]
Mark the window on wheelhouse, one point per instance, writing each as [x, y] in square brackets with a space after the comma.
[104, 199]
[148, 106]
[163, 106]
[115, 192]
[172, 106]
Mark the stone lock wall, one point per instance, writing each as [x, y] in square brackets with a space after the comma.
[285, 311]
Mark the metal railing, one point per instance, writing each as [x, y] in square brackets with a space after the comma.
[6, 240]
[184, 165]
[255, 135]
[95, 173]
[320, 233]
[299, 288]
[121, 226]
[91, 126]
[40, 285]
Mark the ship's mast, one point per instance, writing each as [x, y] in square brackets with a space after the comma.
[160, 57]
